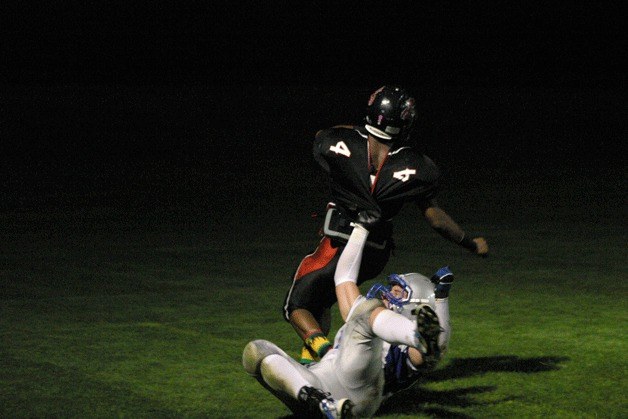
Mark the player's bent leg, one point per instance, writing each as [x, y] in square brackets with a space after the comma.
[304, 323]
[315, 343]
[255, 352]
[313, 276]
[287, 379]
[278, 373]
[282, 374]
[307, 303]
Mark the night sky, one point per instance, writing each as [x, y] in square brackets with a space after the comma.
[101, 98]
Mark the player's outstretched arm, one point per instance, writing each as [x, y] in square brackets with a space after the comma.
[440, 221]
[346, 275]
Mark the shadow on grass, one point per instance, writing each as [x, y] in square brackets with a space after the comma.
[468, 367]
[419, 400]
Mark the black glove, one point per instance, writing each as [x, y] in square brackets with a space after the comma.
[369, 219]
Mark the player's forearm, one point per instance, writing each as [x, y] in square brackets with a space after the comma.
[347, 270]
[442, 223]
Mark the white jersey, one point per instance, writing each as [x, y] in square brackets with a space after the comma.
[353, 368]
[399, 373]
[361, 366]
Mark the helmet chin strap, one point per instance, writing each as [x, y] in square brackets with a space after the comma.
[389, 141]
[378, 133]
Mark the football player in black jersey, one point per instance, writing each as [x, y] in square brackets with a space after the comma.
[373, 172]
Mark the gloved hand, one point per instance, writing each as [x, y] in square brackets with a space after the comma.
[369, 219]
[477, 245]
[481, 246]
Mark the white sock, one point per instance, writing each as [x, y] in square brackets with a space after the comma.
[442, 311]
[396, 329]
[281, 375]
[348, 266]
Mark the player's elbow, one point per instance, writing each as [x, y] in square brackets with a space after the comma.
[435, 218]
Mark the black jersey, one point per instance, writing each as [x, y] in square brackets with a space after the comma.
[405, 176]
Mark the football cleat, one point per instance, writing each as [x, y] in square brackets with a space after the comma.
[429, 329]
[321, 403]
[341, 409]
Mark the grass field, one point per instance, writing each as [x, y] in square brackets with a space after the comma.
[144, 311]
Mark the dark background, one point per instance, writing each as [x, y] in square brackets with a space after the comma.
[137, 104]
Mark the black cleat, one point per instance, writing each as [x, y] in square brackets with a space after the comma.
[321, 403]
[429, 330]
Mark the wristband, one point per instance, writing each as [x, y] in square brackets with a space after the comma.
[468, 243]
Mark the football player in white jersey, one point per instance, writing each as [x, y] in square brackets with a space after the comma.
[351, 379]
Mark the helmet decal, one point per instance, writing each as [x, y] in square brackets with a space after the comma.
[408, 112]
[374, 95]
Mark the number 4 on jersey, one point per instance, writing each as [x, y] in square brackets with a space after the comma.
[341, 148]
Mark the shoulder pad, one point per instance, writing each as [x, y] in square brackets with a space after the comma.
[363, 306]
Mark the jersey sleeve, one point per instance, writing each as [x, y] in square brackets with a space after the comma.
[320, 145]
[429, 179]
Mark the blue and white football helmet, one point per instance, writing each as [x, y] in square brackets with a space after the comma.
[418, 290]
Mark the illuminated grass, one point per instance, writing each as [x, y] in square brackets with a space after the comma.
[105, 315]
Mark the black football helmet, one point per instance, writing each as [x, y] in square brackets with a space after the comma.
[390, 113]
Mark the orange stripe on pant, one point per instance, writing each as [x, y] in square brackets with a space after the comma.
[317, 260]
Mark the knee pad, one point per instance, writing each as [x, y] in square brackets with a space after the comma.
[254, 352]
